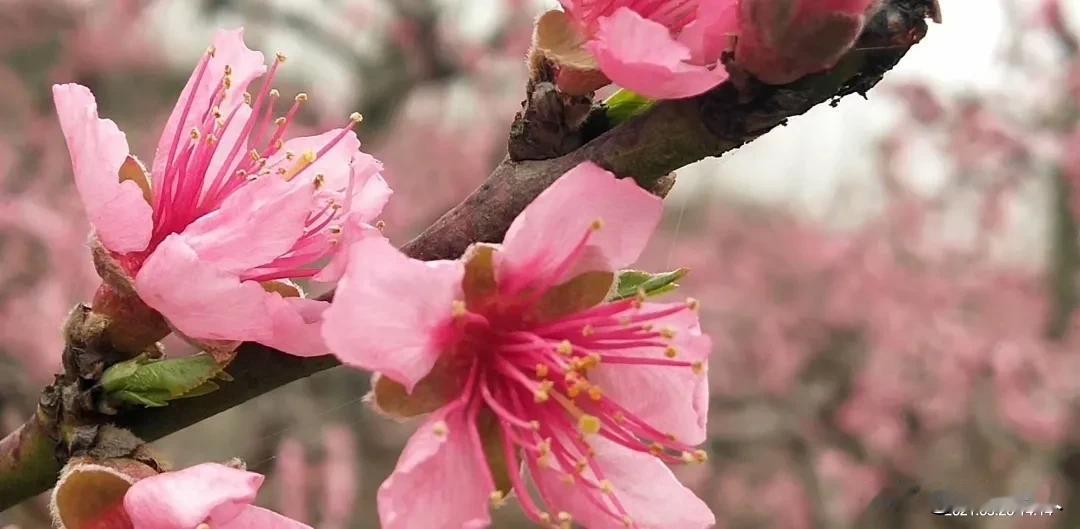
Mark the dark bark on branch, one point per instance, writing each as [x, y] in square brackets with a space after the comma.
[647, 148]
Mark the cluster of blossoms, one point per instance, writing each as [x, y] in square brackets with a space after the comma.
[535, 382]
[671, 49]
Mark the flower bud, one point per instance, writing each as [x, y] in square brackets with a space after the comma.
[784, 40]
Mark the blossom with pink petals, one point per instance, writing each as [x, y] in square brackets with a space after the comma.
[231, 210]
[199, 497]
[783, 40]
[661, 49]
[528, 373]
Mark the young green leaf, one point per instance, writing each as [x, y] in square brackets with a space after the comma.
[633, 282]
[153, 383]
[624, 104]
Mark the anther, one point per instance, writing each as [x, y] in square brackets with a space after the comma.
[280, 121]
[457, 308]
[597, 224]
[301, 97]
[698, 367]
[440, 429]
[588, 424]
[541, 370]
[228, 69]
[693, 304]
[380, 225]
[274, 93]
[587, 330]
[534, 426]
[356, 117]
[319, 180]
[595, 393]
[280, 57]
[700, 456]
[627, 521]
[656, 449]
[497, 499]
[667, 332]
[564, 348]
[671, 351]
[247, 97]
[195, 134]
[607, 487]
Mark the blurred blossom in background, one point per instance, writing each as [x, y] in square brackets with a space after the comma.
[890, 283]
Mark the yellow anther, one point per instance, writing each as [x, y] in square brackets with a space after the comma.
[595, 393]
[545, 517]
[457, 308]
[597, 224]
[564, 520]
[301, 97]
[687, 457]
[440, 429]
[693, 304]
[698, 367]
[274, 92]
[211, 51]
[306, 159]
[542, 370]
[587, 330]
[607, 487]
[280, 121]
[667, 332]
[497, 499]
[254, 155]
[581, 465]
[671, 352]
[534, 426]
[565, 348]
[567, 478]
[280, 57]
[541, 396]
[380, 225]
[573, 391]
[656, 449]
[700, 456]
[588, 424]
[356, 117]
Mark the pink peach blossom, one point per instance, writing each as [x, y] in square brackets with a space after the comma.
[662, 49]
[529, 373]
[207, 495]
[232, 210]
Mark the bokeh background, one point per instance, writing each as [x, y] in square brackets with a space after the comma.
[890, 283]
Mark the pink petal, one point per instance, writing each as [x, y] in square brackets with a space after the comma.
[674, 400]
[246, 65]
[258, 518]
[646, 488]
[207, 493]
[641, 55]
[200, 301]
[546, 232]
[712, 32]
[441, 480]
[118, 211]
[333, 165]
[297, 325]
[372, 192]
[257, 224]
[390, 312]
[353, 229]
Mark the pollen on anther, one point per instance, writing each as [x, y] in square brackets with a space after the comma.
[280, 121]
[595, 393]
[671, 352]
[301, 97]
[693, 304]
[667, 332]
[195, 134]
[274, 93]
[542, 370]
[457, 308]
[319, 180]
[440, 429]
[497, 499]
[587, 330]
[564, 348]
[698, 367]
[607, 487]
[280, 57]
[588, 424]
[597, 224]
[356, 117]
[379, 225]
[700, 456]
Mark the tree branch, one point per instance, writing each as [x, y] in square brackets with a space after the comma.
[649, 147]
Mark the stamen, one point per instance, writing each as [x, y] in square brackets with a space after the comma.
[440, 429]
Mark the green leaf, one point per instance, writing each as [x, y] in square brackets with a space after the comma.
[148, 382]
[624, 104]
[631, 282]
